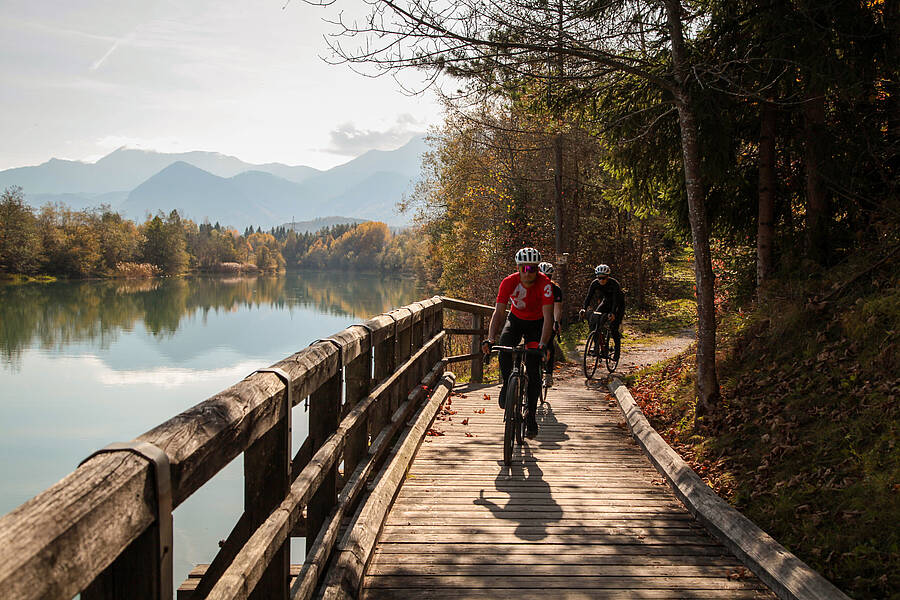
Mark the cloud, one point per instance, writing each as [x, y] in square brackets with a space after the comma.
[347, 139]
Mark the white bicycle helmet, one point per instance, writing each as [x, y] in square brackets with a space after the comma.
[527, 256]
[546, 268]
[601, 270]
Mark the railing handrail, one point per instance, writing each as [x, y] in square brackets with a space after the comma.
[57, 543]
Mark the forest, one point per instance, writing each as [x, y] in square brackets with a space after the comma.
[760, 138]
[58, 241]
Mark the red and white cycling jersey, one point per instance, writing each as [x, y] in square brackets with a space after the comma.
[526, 303]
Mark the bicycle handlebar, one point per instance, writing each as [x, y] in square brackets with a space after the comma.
[518, 349]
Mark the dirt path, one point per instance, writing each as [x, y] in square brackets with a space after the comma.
[636, 356]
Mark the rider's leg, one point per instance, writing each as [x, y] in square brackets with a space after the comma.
[532, 331]
[509, 336]
[548, 368]
[616, 335]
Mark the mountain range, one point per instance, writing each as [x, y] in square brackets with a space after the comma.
[216, 187]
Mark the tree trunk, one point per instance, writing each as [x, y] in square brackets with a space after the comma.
[707, 379]
[891, 11]
[817, 209]
[558, 189]
[641, 272]
[765, 232]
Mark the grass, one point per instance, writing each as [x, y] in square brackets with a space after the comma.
[805, 441]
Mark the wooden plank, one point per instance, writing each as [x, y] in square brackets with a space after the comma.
[786, 574]
[460, 358]
[248, 566]
[548, 582]
[356, 547]
[463, 331]
[551, 549]
[581, 511]
[476, 367]
[324, 420]
[320, 551]
[469, 307]
[410, 593]
[514, 569]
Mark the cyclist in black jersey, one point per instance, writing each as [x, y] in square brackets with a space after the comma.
[547, 269]
[611, 301]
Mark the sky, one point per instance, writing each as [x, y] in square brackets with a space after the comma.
[244, 78]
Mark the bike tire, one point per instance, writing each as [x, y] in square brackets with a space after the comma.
[509, 419]
[590, 362]
[611, 363]
[521, 405]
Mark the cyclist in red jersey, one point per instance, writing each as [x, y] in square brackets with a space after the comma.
[530, 296]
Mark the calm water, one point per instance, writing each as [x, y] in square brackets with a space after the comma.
[83, 364]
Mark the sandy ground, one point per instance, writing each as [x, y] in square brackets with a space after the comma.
[635, 357]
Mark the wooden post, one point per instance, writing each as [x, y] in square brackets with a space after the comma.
[477, 372]
[267, 479]
[359, 381]
[134, 574]
[384, 366]
[324, 418]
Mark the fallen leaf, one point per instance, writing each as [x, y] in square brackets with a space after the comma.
[486, 397]
[465, 421]
[469, 434]
[479, 412]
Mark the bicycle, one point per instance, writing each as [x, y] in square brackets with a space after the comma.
[599, 337]
[516, 400]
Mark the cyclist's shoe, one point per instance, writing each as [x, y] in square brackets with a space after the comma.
[548, 379]
[531, 429]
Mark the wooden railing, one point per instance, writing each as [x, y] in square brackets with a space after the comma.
[101, 531]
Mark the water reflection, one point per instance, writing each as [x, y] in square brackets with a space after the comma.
[54, 316]
[91, 362]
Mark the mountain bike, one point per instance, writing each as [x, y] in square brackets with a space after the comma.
[599, 345]
[516, 400]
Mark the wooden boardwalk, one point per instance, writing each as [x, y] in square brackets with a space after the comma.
[581, 514]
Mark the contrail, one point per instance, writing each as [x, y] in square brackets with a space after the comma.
[112, 49]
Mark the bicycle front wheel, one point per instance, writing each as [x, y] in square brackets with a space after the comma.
[591, 355]
[521, 407]
[509, 418]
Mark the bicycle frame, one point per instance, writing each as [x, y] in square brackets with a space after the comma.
[516, 399]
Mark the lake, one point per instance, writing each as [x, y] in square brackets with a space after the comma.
[87, 363]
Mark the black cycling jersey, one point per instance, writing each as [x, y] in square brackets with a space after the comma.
[612, 300]
[557, 292]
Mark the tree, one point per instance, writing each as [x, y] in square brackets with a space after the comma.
[164, 243]
[494, 45]
[20, 244]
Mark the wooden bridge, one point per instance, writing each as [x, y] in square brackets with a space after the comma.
[399, 492]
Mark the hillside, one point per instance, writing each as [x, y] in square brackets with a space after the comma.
[805, 443]
[219, 188]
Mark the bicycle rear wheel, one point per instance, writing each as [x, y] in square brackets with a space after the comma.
[591, 355]
[509, 419]
[611, 363]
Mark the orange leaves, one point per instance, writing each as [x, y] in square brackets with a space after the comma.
[479, 412]
[465, 421]
[487, 398]
[470, 434]
[434, 432]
